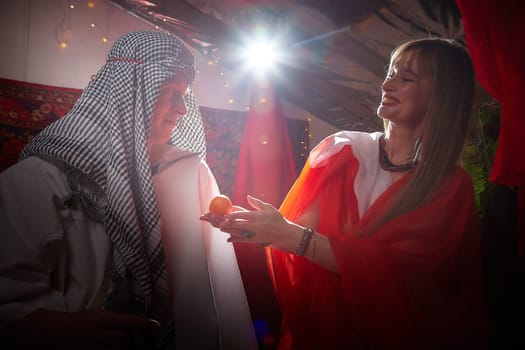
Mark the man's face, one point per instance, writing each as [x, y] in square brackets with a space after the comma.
[169, 107]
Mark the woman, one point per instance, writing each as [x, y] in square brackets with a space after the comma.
[83, 262]
[376, 244]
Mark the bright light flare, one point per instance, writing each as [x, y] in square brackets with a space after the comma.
[261, 56]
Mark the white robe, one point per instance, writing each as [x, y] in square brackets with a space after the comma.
[57, 258]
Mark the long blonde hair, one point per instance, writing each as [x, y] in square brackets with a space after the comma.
[446, 122]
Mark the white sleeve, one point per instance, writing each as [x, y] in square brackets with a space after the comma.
[51, 257]
[230, 298]
[31, 240]
[209, 304]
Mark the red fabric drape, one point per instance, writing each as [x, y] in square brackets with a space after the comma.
[266, 170]
[494, 32]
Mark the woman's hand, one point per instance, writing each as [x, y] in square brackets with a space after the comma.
[87, 329]
[264, 225]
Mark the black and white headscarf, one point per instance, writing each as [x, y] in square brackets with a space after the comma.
[105, 136]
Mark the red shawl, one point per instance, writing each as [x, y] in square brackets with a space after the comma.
[416, 283]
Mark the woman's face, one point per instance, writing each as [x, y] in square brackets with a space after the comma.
[169, 107]
[405, 94]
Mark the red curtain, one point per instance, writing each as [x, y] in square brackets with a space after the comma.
[494, 37]
[266, 170]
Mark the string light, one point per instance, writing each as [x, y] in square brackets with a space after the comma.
[91, 6]
[305, 144]
[64, 34]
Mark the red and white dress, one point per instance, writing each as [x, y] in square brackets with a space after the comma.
[416, 283]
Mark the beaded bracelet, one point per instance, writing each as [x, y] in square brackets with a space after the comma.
[305, 241]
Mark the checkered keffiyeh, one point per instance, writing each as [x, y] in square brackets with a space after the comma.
[105, 135]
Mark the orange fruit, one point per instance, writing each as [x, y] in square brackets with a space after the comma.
[220, 204]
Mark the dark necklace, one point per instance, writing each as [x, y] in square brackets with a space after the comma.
[387, 165]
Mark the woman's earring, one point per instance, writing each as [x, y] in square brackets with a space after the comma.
[417, 148]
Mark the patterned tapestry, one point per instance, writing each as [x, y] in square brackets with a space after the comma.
[27, 108]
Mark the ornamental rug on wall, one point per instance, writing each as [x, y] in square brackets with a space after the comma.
[27, 108]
